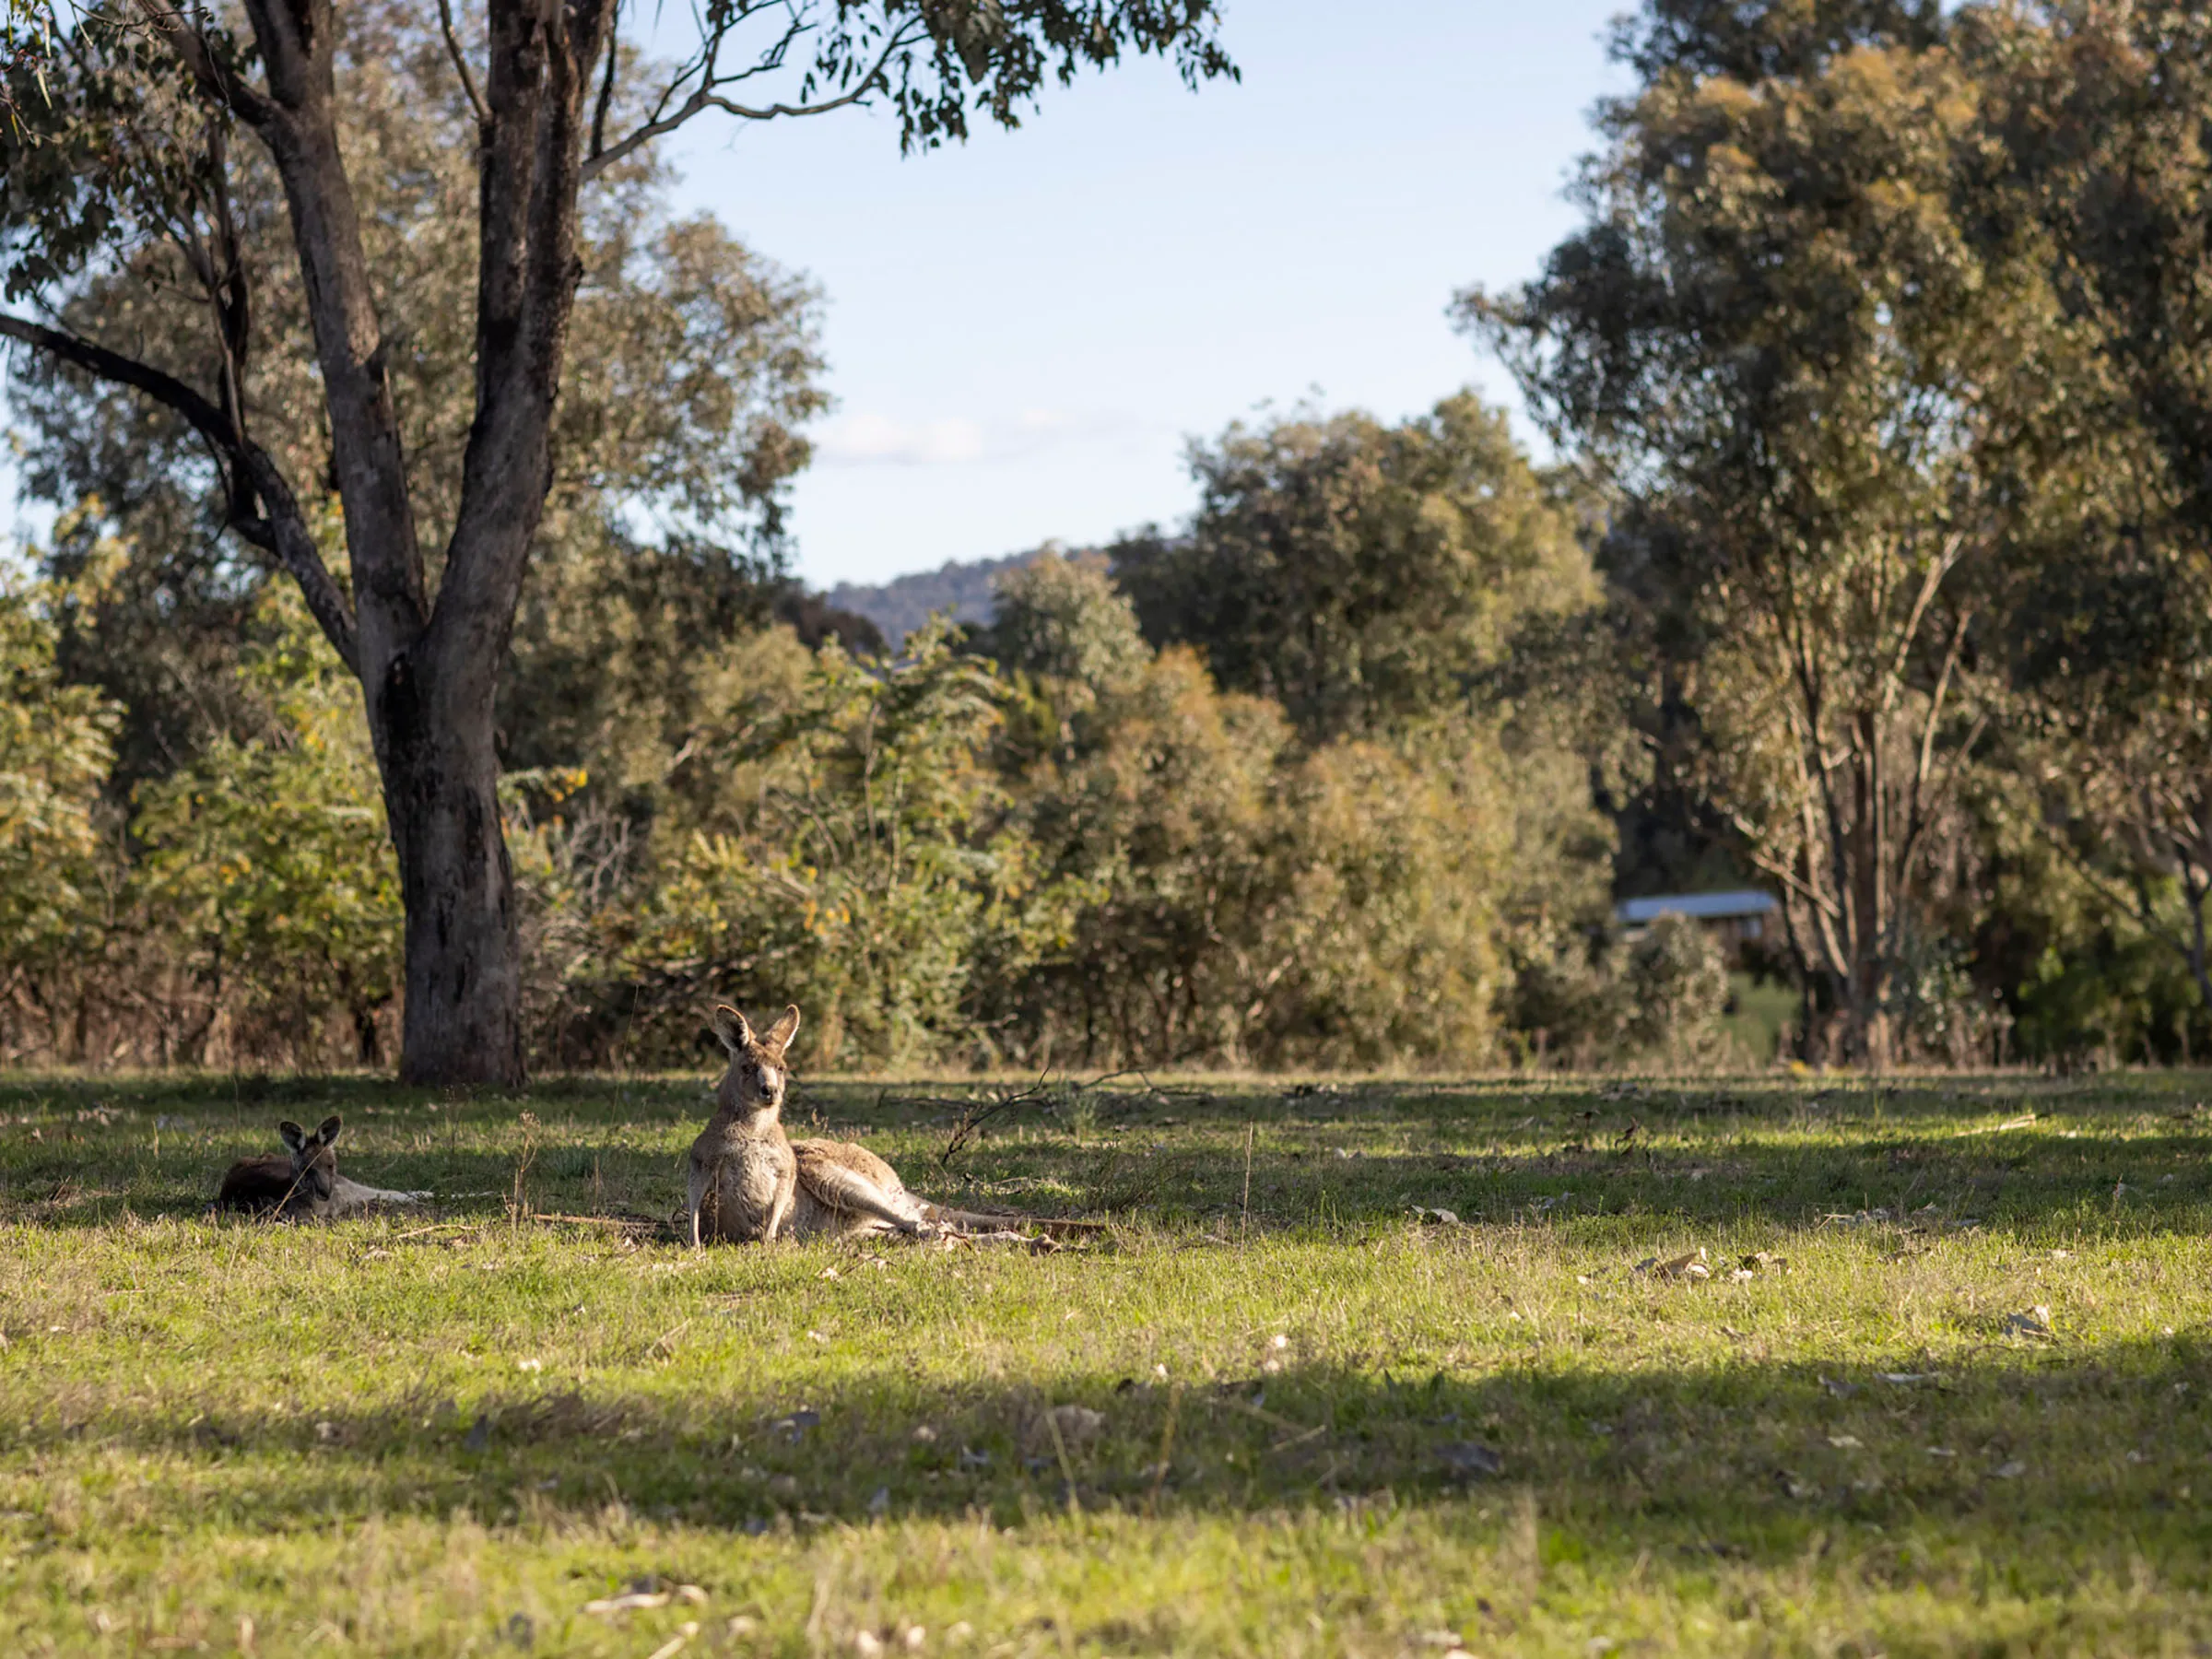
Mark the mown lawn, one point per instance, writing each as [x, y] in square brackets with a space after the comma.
[1323, 1424]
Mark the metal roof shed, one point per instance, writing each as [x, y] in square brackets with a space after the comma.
[1741, 905]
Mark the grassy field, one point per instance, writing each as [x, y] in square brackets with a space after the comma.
[1946, 1389]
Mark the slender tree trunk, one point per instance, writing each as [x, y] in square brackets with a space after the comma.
[2199, 970]
[1868, 898]
[2195, 891]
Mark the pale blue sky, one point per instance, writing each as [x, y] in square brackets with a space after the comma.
[1023, 332]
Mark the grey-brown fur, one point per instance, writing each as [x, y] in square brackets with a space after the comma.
[847, 1191]
[749, 1181]
[303, 1181]
[743, 1177]
[290, 1185]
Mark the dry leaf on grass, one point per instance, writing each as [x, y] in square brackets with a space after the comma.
[1691, 1267]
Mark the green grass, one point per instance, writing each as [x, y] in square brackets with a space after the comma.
[1763, 1011]
[449, 1432]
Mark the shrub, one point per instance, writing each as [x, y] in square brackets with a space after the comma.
[1674, 989]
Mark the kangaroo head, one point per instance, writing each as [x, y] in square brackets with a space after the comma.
[314, 1165]
[755, 1081]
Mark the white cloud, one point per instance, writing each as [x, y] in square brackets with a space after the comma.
[865, 439]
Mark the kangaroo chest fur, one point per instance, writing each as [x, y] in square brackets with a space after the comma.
[743, 1177]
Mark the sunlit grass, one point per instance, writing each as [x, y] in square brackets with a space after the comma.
[1323, 1426]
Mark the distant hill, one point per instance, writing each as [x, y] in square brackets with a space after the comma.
[902, 605]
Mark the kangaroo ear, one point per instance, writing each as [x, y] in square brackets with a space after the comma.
[328, 1133]
[780, 1034]
[729, 1024]
[292, 1135]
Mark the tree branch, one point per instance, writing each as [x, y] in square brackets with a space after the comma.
[296, 551]
[107, 365]
[537, 90]
[704, 97]
[2145, 912]
[191, 48]
[606, 80]
[1937, 569]
[283, 532]
[452, 50]
[297, 40]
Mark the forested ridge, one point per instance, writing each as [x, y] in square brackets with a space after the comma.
[1872, 566]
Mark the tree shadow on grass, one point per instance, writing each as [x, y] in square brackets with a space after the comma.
[2114, 1155]
[2056, 1463]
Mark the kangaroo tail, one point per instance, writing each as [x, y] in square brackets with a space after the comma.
[1007, 1220]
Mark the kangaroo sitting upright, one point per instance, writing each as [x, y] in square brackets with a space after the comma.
[751, 1181]
[303, 1181]
[744, 1176]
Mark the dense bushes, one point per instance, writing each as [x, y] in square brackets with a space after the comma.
[946, 862]
[1052, 842]
[56, 747]
[1050, 845]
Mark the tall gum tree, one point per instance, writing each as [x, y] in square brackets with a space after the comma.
[1777, 340]
[2104, 116]
[120, 137]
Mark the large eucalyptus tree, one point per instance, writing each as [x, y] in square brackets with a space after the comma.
[120, 137]
[1777, 336]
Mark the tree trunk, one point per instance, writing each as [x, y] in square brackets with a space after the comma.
[462, 1021]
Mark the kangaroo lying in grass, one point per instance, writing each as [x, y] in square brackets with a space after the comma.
[750, 1182]
[303, 1181]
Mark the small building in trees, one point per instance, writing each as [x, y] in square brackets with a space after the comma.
[1737, 918]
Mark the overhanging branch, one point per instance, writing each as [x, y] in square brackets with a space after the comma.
[704, 97]
[191, 48]
[163, 388]
[282, 532]
[460, 59]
